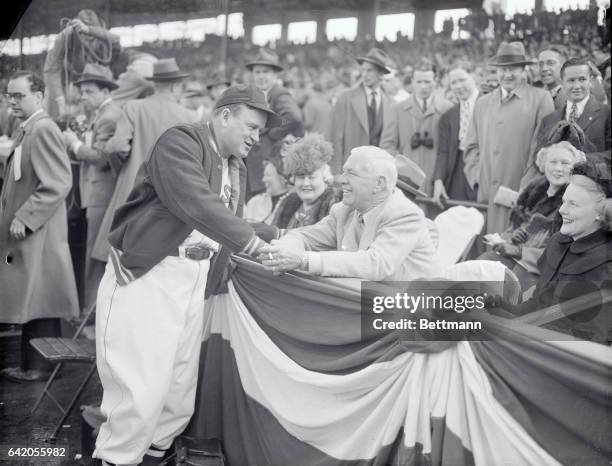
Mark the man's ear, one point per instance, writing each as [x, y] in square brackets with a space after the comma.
[381, 184]
[225, 115]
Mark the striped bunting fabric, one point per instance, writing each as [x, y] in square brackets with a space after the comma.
[286, 380]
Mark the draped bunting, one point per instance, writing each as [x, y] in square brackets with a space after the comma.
[286, 380]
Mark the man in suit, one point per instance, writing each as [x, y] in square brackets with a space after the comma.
[142, 123]
[413, 131]
[171, 243]
[449, 179]
[375, 233]
[97, 180]
[37, 285]
[264, 69]
[361, 112]
[583, 109]
[550, 61]
[502, 133]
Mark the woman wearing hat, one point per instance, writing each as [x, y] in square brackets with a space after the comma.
[578, 259]
[307, 163]
[263, 207]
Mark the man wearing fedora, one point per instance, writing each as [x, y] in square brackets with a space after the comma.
[413, 131]
[142, 123]
[171, 243]
[193, 98]
[502, 133]
[97, 181]
[217, 84]
[264, 69]
[362, 112]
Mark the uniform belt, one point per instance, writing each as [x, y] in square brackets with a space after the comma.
[196, 252]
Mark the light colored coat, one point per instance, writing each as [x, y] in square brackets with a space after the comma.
[39, 280]
[97, 179]
[349, 128]
[142, 123]
[500, 143]
[395, 243]
[409, 119]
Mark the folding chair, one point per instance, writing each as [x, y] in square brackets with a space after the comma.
[61, 351]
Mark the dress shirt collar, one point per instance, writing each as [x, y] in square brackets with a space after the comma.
[421, 102]
[372, 213]
[581, 104]
[102, 105]
[368, 92]
[471, 99]
[555, 90]
[30, 118]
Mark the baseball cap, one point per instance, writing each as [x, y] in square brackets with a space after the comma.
[251, 96]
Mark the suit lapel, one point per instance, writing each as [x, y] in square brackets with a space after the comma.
[589, 113]
[359, 107]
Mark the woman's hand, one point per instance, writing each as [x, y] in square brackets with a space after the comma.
[508, 250]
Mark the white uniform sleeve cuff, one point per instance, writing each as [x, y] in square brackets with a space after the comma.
[314, 262]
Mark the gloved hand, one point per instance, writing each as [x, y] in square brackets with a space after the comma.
[265, 231]
[519, 235]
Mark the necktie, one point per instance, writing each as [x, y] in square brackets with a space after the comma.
[424, 105]
[573, 113]
[464, 121]
[507, 98]
[353, 235]
[372, 109]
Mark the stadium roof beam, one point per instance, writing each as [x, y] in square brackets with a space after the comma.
[43, 17]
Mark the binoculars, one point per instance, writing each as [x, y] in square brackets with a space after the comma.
[417, 140]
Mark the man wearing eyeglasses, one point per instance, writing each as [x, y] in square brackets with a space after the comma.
[375, 233]
[37, 285]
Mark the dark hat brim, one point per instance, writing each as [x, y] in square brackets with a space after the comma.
[274, 119]
[168, 77]
[275, 66]
[407, 185]
[209, 86]
[100, 81]
[377, 63]
[510, 61]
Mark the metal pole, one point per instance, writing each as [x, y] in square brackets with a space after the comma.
[226, 8]
[375, 11]
[21, 43]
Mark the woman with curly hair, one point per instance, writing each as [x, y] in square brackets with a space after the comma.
[307, 164]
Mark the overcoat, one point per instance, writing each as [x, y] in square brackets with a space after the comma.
[36, 274]
[500, 144]
[349, 128]
[408, 119]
